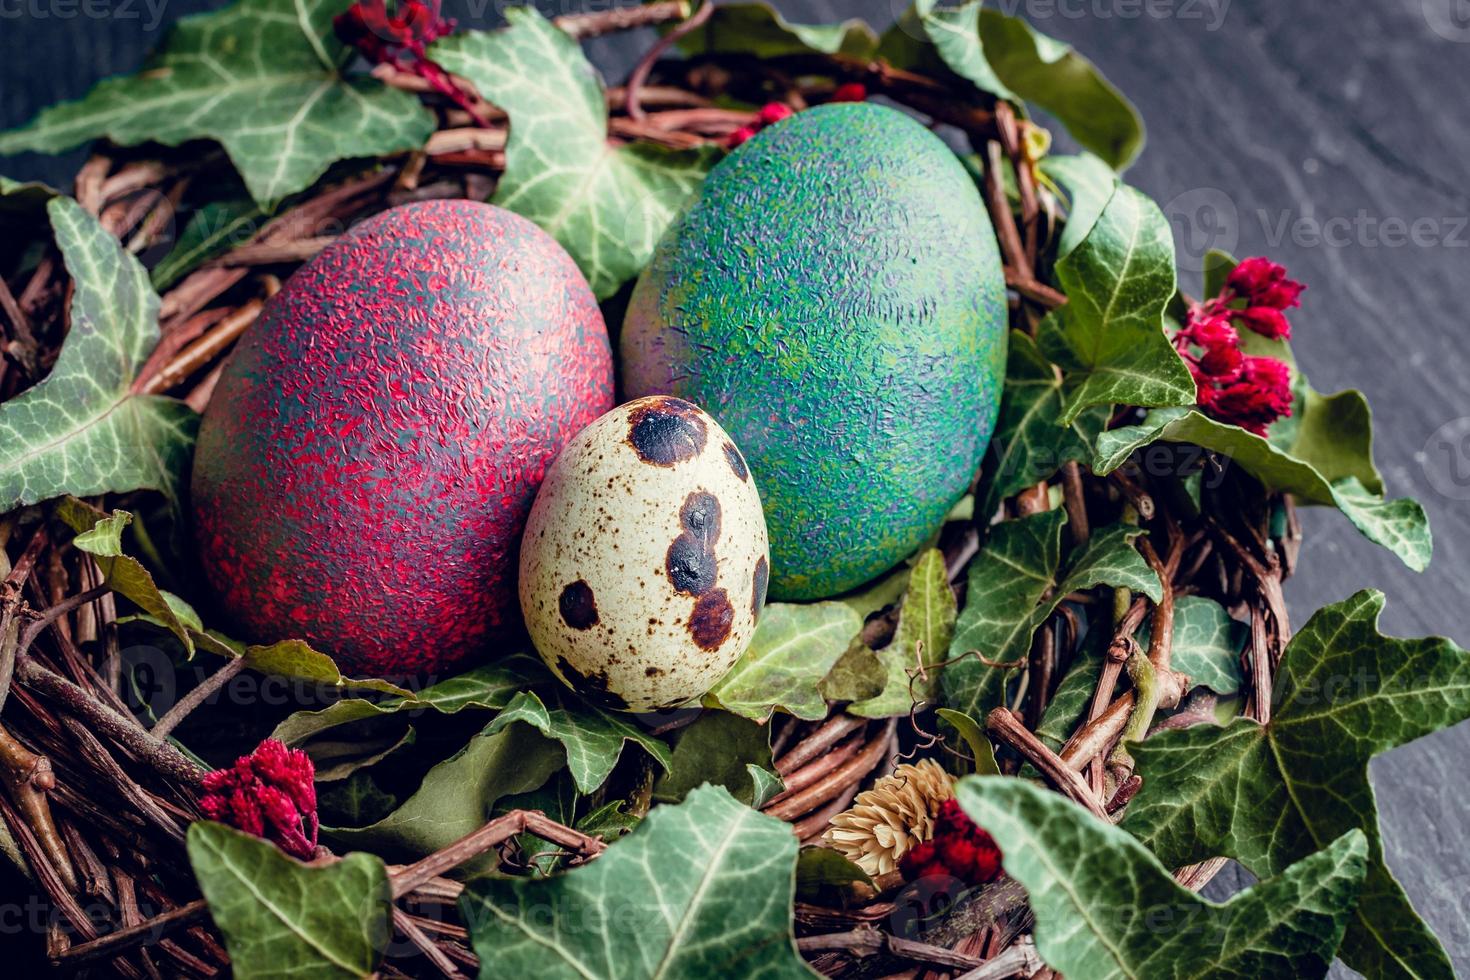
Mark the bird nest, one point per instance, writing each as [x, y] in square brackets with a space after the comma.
[100, 795]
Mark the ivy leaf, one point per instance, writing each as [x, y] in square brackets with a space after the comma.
[81, 431]
[969, 729]
[1015, 583]
[1051, 74]
[101, 537]
[1106, 908]
[1110, 334]
[1009, 59]
[212, 230]
[724, 750]
[607, 206]
[758, 30]
[794, 648]
[1399, 525]
[489, 687]
[1031, 442]
[284, 918]
[459, 794]
[1207, 643]
[701, 889]
[925, 38]
[1089, 183]
[593, 738]
[926, 623]
[857, 676]
[291, 658]
[262, 77]
[1267, 795]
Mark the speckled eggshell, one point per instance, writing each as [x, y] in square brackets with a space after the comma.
[366, 465]
[835, 299]
[645, 562]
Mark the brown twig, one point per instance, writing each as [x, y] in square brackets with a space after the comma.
[639, 75]
[493, 834]
[28, 778]
[196, 697]
[1005, 726]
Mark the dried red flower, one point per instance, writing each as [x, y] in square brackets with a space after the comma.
[1251, 392]
[401, 39]
[1261, 395]
[958, 849]
[1266, 321]
[1261, 282]
[269, 793]
[768, 114]
[850, 92]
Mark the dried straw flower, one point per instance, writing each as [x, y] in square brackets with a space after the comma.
[896, 814]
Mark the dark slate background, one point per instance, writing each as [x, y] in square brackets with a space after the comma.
[1330, 136]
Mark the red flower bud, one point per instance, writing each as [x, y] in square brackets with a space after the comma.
[774, 112]
[1266, 321]
[850, 92]
[740, 136]
[1263, 283]
[958, 849]
[269, 793]
[1222, 363]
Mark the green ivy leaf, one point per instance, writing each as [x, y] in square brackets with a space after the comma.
[212, 231]
[291, 658]
[607, 206]
[262, 77]
[459, 794]
[1268, 795]
[593, 738]
[856, 676]
[759, 31]
[101, 537]
[927, 37]
[794, 648]
[81, 430]
[284, 918]
[489, 688]
[1031, 443]
[926, 623]
[701, 889]
[969, 729]
[1399, 525]
[1110, 334]
[1051, 74]
[1089, 184]
[723, 750]
[1207, 643]
[1015, 583]
[1106, 908]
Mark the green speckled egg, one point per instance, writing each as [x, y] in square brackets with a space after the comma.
[835, 299]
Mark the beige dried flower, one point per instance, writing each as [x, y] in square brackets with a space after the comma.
[895, 815]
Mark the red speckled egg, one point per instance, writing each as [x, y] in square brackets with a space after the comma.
[368, 460]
